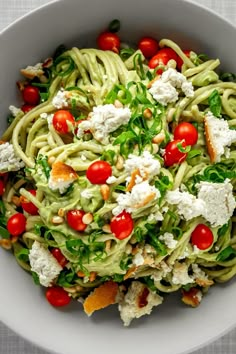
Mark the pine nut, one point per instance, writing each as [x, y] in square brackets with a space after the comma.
[61, 212]
[92, 276]
[51, 160]
[87, 218]
[80, 274]
[147, 113]
[71, 290]
[5, 243]
[118, 104]
[57, 220]
[108, 245]
[106, 228]
[155, 148]
[105, 191]
[79, 288]
[16, 200]
[128, 249]
[120, 163]
[158, 138]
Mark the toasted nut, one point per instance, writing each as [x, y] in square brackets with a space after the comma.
[105, 191]
[108, 245]
[135, 250]
[80, 274]
[21, 84]
[79, 288]
[170, 115]
[61, 212]
[16, 200]
[106, 228]
[92, 276]
[87, 218]
[14, 239]
[147, 113]
[118, 104]
[51, 160]
[158, 138]
[128, 249]
[5, 243]
[155, 148]
[71, 290]
[57, 220]
[120, 163]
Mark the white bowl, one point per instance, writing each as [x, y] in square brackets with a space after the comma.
[172, 328]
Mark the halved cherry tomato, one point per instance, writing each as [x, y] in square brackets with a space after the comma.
[16, 224]
[60, 121]
[98, 172]
[74, 219]
[57, 296]
[109, 41]
[27, 107]
[2, 187]
[202, 237]
[180, 61]
[162, 58]
[172, 153]
[148, 46]
[122, 225]
[31, 95]
[61, 259]
[29, 207]
[187, 132]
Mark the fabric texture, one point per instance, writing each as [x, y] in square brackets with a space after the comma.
[10, 343]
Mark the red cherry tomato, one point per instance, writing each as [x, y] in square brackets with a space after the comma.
[2, 187]
[74, 219]
[57, 296]
[202, 237]
[109, 41]
[148, 46]
[16, 224]
[187, 132]
[31, 95]
[29, 207]
[162, 58]
[60, 121]
[56, 252]
[122, 225]
[27, 107]
[180, 61]
[172, 153]
[98, 172]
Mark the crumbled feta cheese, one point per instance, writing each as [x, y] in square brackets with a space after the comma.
[83, 158]
[138, 260]
[147, 165]
[87, 194]
[60, 184]
[14, 110]
[111, 179]
[60, 99]
[188, 205]
[129, 305]
[157, 216]
[198, 272]
[33, 70]
[44, 264]
[48, 117]
[196, 250]
[219, 201]
[185, 254]
[160, 274]
[220, 135]
[140, 196]
[164, 90]
[104, 120]
[8, 159]
[180, 274]
[169, 240]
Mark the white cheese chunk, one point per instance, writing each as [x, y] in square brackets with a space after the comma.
[198, 273]
[180, 274]
[219, 201]
[129, 306]
[111, 180]
[14, 110]
[103, 121]
[60, 99]
[138, 260]
[147, 165]
[220, 135]
[8, 159]
[179, 81]
[141, 195]
[48, 117]
[44, 264]
[169, 240]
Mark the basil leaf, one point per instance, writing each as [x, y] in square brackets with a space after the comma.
[4, 233]
[214, 101]
[114, 26]
[123, 137]
[194, 153]
[35, 278]
[183, 149]
[228, 77]
[23, 254]
[227, 254]
[66, 278]
[118, 278]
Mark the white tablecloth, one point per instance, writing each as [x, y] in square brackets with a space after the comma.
[10, 343]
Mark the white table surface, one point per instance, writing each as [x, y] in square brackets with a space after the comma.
[10, 343]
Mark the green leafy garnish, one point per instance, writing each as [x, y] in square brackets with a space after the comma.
[227, 254]
[43, 161]
[214, 101]
[4, 233]
[66, 278]
[114, 26]
[35, 278]
[23, 254]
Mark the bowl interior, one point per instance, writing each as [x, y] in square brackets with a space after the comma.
[77, 23]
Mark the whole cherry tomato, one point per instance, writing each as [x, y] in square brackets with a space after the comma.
[187, 132]
[98, 172]
[2, 187]
[202, 237]
[60, 121]
[57, 296]
[180, 61]
[29, 207]
[27, 107]
[109, 41]
[122, 225]
[162, 58]
[16, 224]
[61, 259]
[173, 154]
[148, 46]
[74, 219]
[31, 95]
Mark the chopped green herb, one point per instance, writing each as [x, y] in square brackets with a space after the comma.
[227, 254]
[214, 101]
